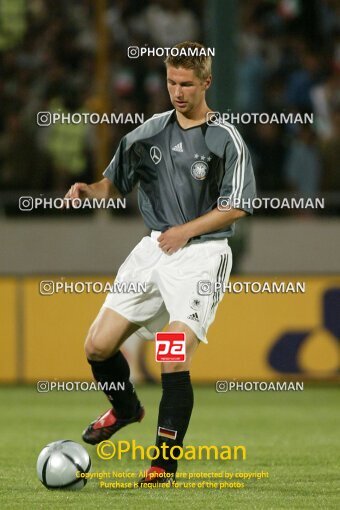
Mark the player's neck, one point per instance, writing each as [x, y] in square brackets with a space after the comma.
[193, 118]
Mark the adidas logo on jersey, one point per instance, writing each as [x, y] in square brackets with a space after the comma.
[194, 317]
[178, 147]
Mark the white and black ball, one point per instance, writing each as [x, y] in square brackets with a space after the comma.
[61, 463]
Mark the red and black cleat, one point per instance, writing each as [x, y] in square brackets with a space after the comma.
[156, 476]
[108, 424]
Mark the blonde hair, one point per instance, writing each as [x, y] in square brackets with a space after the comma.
[191, 55]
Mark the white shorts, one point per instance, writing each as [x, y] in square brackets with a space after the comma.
[173, 288]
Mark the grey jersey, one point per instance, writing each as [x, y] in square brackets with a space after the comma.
[180, 173]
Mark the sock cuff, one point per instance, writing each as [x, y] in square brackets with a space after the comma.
[108, 363]
[175, 378]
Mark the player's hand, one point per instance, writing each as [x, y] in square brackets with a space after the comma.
[77, 190]
[173, 239]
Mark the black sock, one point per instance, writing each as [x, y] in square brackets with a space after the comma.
[174, 415]
[116, 370]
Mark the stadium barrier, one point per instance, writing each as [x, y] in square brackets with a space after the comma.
[257, 335]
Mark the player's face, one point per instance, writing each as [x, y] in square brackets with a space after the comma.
[186, 90]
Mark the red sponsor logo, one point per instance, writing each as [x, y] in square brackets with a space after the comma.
[170, 346]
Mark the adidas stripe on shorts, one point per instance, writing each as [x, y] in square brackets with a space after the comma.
[173, 288]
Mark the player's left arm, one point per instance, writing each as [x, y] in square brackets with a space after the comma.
[176, 237]
[237, 189]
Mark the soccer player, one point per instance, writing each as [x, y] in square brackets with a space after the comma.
[181, 165]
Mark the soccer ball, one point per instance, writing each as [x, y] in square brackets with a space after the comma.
[59, 462]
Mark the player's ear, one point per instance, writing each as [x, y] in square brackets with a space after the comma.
[207, 82]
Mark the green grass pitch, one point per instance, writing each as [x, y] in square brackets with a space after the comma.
[295, 436]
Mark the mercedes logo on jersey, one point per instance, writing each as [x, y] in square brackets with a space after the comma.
[155, 154]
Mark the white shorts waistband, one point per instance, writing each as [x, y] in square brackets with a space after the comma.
[155, 234]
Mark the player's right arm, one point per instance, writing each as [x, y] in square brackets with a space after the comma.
[119, 177]
[101, 189]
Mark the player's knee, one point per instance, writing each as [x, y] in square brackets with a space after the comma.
[96, 346]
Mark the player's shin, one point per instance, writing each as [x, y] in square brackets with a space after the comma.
[174, 415]
[113, 374]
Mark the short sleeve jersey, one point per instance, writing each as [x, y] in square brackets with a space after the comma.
[181, 173]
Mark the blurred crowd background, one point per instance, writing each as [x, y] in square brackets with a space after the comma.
[286, 62]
